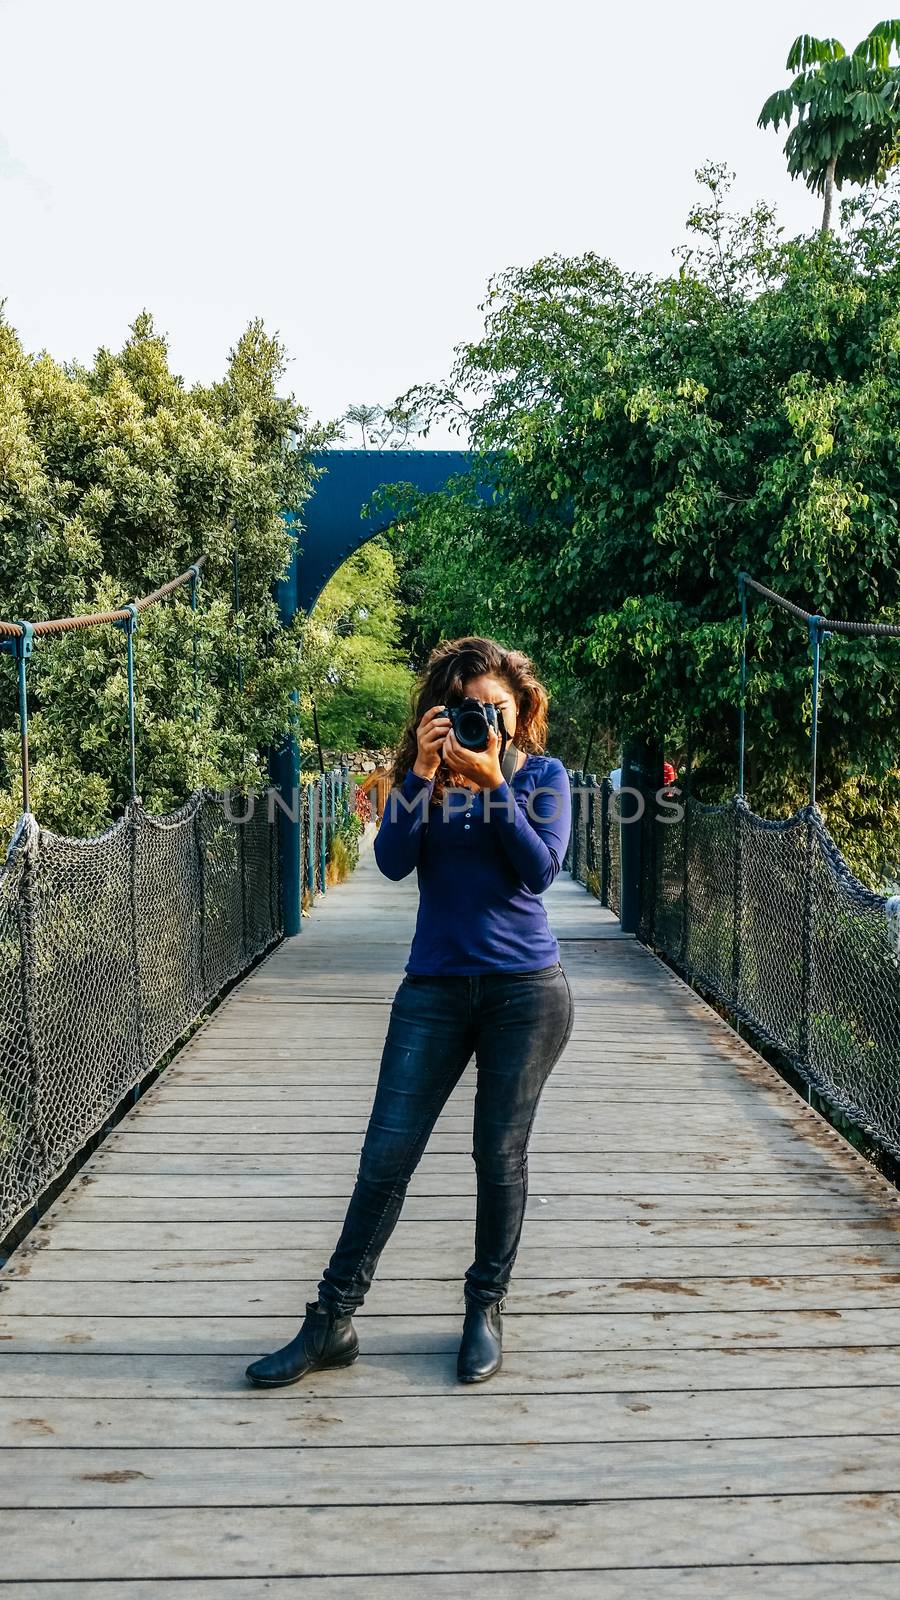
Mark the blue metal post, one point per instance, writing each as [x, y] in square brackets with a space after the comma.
[815, 639]
[310, 796]
[635, 777]
[21, 647]
[129, 623]
[743, 701]
[323, 812]
[195, 579]
[286, 772]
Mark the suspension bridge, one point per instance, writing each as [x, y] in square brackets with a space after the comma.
[702, 1375]
[701, 1385]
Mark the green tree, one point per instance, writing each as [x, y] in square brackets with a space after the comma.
[113, 478]
[384, 428]
[354, 665]
[365, 418]
[650, 437]
[847, 109]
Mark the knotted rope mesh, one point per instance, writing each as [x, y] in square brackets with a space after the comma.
[110, 947]
[592, 855]
[768, 918]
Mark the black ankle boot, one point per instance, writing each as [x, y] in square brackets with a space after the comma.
[481, 1350]
[326, 1339]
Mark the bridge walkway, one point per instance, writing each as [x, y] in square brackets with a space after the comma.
[701, 1387]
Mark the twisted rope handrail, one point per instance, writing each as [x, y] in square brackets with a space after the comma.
[828, 624]
[818, 628]
[18, 638]
[15, 630]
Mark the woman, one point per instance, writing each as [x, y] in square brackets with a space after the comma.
[486, 831]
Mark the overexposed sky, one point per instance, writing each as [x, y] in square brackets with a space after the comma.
[354, 173]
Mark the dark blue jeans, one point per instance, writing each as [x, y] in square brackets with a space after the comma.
[516, 1024]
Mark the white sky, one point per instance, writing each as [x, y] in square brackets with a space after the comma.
[354, 173]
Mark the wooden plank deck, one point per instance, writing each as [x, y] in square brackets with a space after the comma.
[701, 1387]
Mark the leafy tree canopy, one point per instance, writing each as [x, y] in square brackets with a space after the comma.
[648, 438]
[847, 108]
[114, 478]
[353, 664]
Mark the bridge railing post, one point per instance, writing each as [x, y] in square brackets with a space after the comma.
[737, 919]
[567, 858]
[590, 837]
[21, 647]
[573, 856]
[28, 967]
[605, 792]
[310, 812]
[808, 933]
[630, 808]
[685, 928]
[285, 775]
[322, 781]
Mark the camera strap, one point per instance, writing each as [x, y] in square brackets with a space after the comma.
[509, 757]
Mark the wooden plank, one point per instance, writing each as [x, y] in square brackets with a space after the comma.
[814, 1581]
[491, 1470]
[324, 1061]
[323, 1117]
[692, 1157]
[812, 1329]
[262, 1541]
[635, 1378]
[702, 1360]
[587, 1133]
[278, 1296]
[590, 1134]
[481, 1418]
[548, 1225]
[404, 1262]
[316, 1175]
[630, 1168]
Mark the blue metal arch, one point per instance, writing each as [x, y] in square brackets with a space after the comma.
[327, 530]
[331, 525]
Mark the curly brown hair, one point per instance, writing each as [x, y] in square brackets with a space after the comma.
[454, 663]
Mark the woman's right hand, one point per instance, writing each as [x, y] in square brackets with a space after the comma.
[430, 735]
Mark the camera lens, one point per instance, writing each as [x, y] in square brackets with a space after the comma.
[470, 726]
[471, 730]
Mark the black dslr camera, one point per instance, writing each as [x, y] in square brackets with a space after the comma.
[470, 720]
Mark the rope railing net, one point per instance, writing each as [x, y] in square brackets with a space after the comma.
[767, 918]
[593, 853]
[112, 946]
[109, 948]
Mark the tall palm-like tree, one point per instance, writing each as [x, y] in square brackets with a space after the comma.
[365, 418]
[847, 109]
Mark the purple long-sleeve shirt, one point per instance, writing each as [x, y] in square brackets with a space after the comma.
[481, 868]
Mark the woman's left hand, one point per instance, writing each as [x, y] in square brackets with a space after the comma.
[481, 766]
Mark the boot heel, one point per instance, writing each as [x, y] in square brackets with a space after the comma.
[345, 1361]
